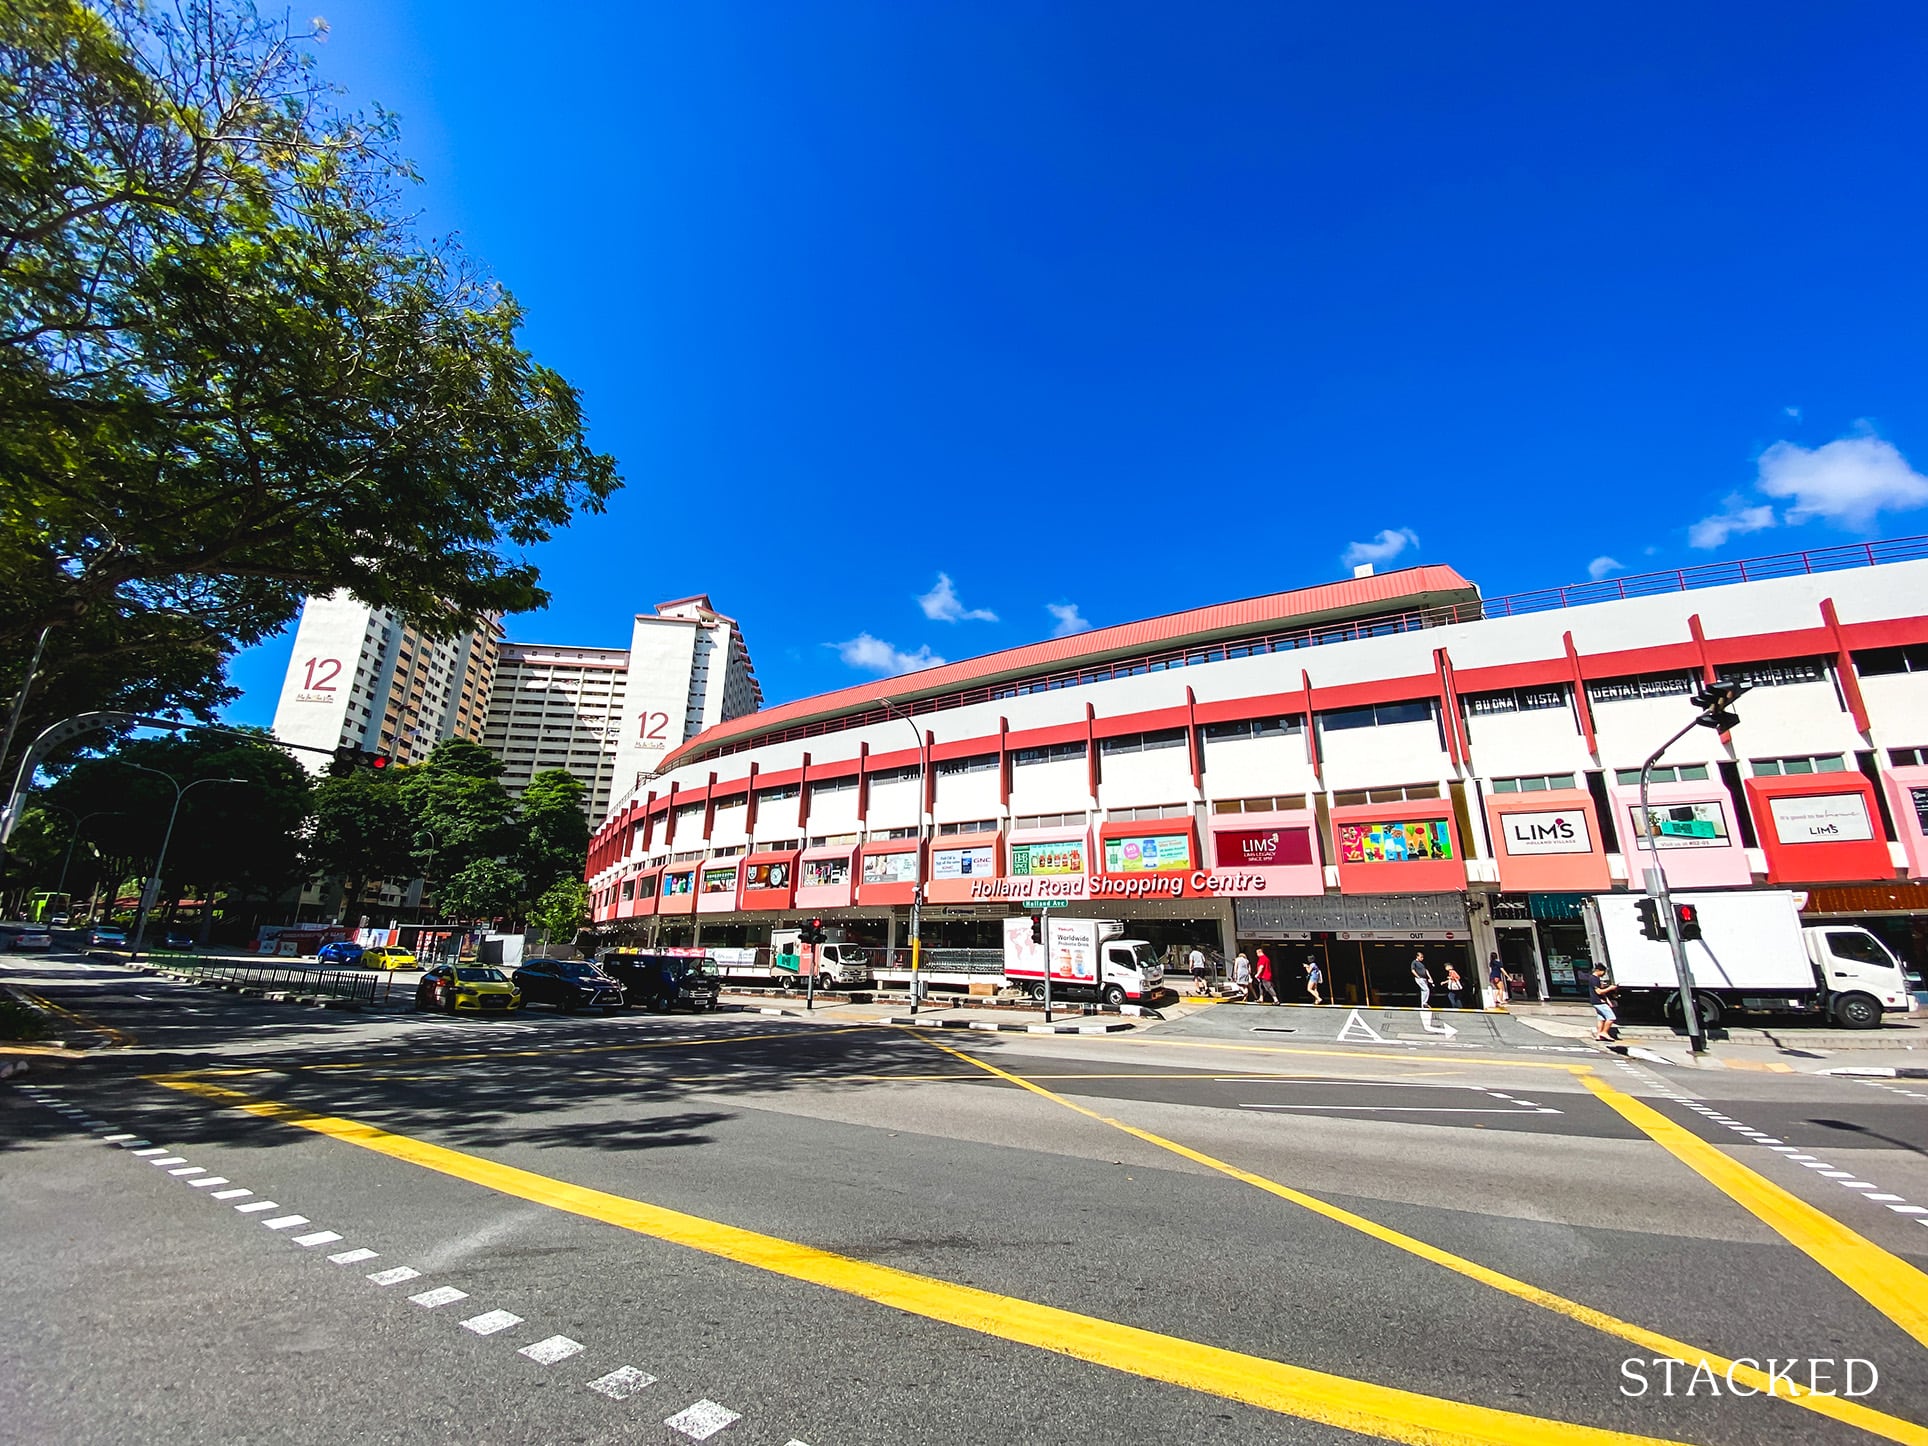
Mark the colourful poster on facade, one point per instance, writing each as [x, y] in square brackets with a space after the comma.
[972, 863]
[1395, 841]
[825, 873]
[683, 883]
[1154, 854]
[719, 881]
[1028, 860]
[897, 868]
[766, 876]
[1682, 826]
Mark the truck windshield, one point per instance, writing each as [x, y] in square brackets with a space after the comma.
[1845, 944]
[1143, 956]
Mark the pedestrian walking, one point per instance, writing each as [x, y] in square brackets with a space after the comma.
[1262, 971]
[1600, 992]
[1424, 979]
[1242, 977]
[1198, 970]
[1453, 986]
[1314, 977]
[1496, 976]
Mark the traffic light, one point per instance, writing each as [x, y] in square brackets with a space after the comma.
[1687, 919]
[348, 759]
[1716, 702]
[1650, 925]
[812, 932]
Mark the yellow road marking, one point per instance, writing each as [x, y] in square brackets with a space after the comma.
[115, 1036]
[1892, 1427]
[1884, 1281]
[774, 1034]
[1351, 1405]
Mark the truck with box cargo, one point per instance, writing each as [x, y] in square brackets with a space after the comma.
[1086, 958]
[1753, 955]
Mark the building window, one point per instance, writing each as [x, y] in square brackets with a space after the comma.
[1810, 763]
[1377, 715]
[1517, 700]
[1254, 728]
[1533, 783]
[781, 845]
[1779, 674]
[1642, 685]
[975, 825]
[1386, 795]
[831, 840]
[1048, 820]
[891, 833]
[831, 785]
[1156, 810]
[1278, 803]
[1908, 757]
[1056, 753]
[777, 795]
[894, 775]
[978, 763]
[1874, 662]
[1141, 742]
[1685, 773]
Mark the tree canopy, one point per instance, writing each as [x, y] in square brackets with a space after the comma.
[231, 371]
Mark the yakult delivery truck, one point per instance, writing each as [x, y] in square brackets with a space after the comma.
[1754, 955]
[1087, 957]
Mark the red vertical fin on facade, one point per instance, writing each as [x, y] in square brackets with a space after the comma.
[1311, 728]
[863, 782]
[1581, 707]
[1091, 751]
[1004, 763]
[1700, 646]
[1844, 666]
[1192, 746]
[1449, 723]
[709, 808]
[803, 796]
[749, 805]
[669, 817]
[929, 781]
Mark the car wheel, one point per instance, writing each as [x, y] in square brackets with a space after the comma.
[1858, 1011]
[1037, 991]
[420, 1002]
[1114, 994]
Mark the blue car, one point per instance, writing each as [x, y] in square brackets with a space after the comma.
[342, 952]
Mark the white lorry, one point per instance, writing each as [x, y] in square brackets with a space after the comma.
[1086, 957]
[1753, 954]
[840, 964]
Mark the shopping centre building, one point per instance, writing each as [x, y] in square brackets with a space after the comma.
[1352, 770]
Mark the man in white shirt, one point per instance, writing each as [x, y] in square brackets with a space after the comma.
[1197, 962]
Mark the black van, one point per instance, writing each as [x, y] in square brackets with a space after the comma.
[660, 982]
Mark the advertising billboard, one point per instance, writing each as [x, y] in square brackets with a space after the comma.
[972, 863]
[719, 881]
[1035, 859]
[1152, 854]
[897, 868]
[683, 883]
[1554, 831]
[1821, 817]
[825, 873]
[1682, 826]
[1395, 841]
[1247, 848]
[767, 876]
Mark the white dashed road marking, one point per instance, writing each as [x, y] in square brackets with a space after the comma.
[394, 1277]
[547, 1353]
[703, 1420]
[441, 1295]
[490, 1322]
[207, 1180]
[234, 1194]
[320, 1237]
[188, 1170]
[254, 1205]
[622, 1383]
[352, 1257]
[166, 1159]
[284, 1222]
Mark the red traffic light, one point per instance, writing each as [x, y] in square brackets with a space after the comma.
[378, 761]
[1687, 916]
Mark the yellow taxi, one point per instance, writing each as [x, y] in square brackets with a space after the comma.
[479, 987]
[387, 956]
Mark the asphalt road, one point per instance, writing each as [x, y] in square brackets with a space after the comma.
[1235, 1227]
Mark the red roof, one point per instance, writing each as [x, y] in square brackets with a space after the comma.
[1412, 587]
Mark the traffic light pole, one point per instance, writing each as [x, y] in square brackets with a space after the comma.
[1657, 888]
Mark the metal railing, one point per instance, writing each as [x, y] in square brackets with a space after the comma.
[359, 984]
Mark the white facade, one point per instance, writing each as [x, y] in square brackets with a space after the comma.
[689, 669]
[558, 707]
[361, 677]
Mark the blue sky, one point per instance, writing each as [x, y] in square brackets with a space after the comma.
[1105, 310]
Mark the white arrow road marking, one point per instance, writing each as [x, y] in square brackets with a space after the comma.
[1426, 1023]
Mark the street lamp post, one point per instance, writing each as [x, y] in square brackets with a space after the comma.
[917, 888]
[1713, 701]
[160, 859]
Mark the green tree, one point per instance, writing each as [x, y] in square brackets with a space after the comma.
[484, 889]
[361, 834]
[562, 909]
[454, 798]
[556, 831]
[231, 372]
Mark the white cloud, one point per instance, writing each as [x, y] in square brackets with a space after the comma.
[1737, 517]
[1845, 482]
[1384, 548]
[1602, 565]
[874, 655]
[941, 605]
[1794, 412]
[1067, 619]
